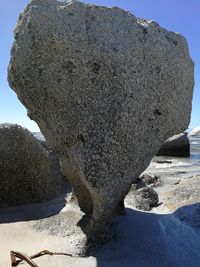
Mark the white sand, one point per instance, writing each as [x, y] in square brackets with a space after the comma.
[141, 239]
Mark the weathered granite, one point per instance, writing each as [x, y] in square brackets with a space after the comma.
[28, 172]
[106, 89]
[184, 193]
[144, 198]
[149, 180]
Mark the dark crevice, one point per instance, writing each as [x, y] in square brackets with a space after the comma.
[157, 112]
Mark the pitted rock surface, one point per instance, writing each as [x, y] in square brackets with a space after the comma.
[28, 172]
[106, 89]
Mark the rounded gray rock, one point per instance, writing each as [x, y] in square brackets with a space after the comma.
[106, 89]
[176, 146]
[148, 179]
[28, 172]
[144, 198]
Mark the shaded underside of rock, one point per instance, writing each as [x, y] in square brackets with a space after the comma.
[28, 172]
[176, 146]
[106, 89]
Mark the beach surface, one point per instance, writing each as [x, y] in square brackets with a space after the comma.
[168, 236]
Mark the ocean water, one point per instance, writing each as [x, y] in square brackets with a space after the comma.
[178, 167]
[195, 147]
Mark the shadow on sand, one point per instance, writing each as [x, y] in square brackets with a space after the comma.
[154, 240]
[35, 211]
[141, 239]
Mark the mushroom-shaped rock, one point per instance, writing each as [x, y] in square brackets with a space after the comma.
[106, 89]
[28, 172]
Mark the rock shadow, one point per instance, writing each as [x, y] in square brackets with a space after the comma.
[35, 211]
[145, 239]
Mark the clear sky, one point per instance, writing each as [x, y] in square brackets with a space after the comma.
[175, 15]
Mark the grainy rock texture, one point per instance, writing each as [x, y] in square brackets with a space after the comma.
[149, 180]
[106, 89]
[176, 146]
[186, 192]
[28, 172]
[144, 198]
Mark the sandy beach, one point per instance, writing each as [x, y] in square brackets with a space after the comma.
[99, 134]
[141, 239]
[160, 238]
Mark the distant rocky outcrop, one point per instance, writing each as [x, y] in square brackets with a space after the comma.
[195, 132]
[176, 146]
[28, 172]
[106, 89]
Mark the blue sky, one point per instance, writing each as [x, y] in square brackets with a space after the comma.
[176, 15]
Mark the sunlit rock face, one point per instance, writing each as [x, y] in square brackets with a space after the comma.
[106, 89]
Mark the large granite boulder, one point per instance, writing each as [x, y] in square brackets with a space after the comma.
[106, 89]
[28, 172]
[176, 146]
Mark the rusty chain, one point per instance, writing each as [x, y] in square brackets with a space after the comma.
[22, 257]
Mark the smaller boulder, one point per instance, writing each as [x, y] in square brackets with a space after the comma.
[145, 180]
[195, 132]
[28, 171]
[144, 198]
[176, 146]
[149, 180]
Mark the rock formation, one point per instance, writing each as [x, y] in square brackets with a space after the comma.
[176, 146]
[106, 89]
[185, 193]
[195, 132]
[144, 198]
[149, 180]
[28, 172]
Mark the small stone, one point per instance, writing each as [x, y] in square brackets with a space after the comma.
[143, 199]
[148, 179]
